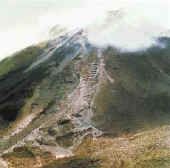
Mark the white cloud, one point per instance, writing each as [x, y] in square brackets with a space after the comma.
[140, 22]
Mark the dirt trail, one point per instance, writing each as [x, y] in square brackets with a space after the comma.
[81, 100]
[103, 73]
[77, 107]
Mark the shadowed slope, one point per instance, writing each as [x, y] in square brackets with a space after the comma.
[140, 95]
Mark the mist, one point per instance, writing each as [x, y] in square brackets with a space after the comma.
[129, 25]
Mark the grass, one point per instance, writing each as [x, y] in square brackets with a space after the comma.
[74, 162]
[153, 159]
[47, 96]
[131, 112]
[19, 60]
[139, 98]
[40, 88]
[21, 152]
[28, 157]
[144, 150]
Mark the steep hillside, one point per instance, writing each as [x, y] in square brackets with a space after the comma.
[139, 98]
[68, 104]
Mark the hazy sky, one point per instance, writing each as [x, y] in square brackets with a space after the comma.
[25, 22]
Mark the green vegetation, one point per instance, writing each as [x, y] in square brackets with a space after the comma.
[139, 98]
[132, 111]
[75, 162]
[28, 157]
[153, 159]
[144, 150]
[21, 152]
[20, 60]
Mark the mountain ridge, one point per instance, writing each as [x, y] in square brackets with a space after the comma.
[77, 105]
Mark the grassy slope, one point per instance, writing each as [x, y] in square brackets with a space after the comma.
[19, 60]
[136, 102]
[41, 90]
[144, 150]
[139, 98]
[14, 87]
[18, 88]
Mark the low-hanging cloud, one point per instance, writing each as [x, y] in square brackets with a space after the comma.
[129, 25]
[132, 25]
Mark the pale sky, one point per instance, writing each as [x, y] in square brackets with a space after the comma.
[25, 22]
